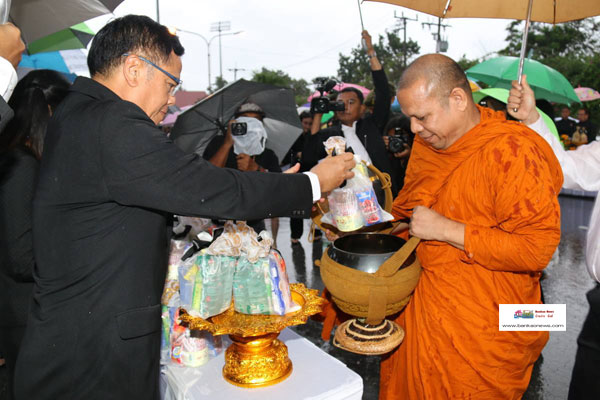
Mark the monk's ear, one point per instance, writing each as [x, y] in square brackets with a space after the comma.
[132, 70]
[459, 98]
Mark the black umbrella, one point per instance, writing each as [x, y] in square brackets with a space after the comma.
[196, 126]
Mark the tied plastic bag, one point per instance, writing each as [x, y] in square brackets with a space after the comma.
[240, 239]
[262, 287]
[212, 288]
[170, 296]
[355, 205]
[335, 145]
[344, 207]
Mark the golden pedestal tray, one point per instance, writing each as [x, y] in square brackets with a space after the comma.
[256, 358]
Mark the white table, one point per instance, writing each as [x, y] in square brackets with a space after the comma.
[316, 375]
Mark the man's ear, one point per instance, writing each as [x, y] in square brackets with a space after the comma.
[363, 108]
[458, 98]
[132, 71]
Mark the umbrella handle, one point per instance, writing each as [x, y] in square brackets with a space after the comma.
[524, 44]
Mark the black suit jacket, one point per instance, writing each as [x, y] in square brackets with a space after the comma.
[108, 179]
[6, 114]
[369, 130]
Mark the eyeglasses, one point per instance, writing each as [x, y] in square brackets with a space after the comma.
[178, 82]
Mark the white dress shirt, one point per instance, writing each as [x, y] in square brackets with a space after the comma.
[353, 141]
[8, 79]
[581, 170]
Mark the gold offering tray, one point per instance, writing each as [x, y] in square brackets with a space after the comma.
[256, 357]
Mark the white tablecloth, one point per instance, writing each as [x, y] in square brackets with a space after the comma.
[316, 375]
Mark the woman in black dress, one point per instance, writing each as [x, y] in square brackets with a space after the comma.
[21, 145]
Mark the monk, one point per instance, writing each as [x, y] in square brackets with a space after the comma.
[481, 192]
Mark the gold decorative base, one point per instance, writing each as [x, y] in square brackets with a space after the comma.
[256, 361]
[256, 358]
[358, 337]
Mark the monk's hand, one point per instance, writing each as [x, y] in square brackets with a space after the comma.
[521, 102]
[428, 224]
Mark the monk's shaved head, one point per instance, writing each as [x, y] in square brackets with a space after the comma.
[440, 73]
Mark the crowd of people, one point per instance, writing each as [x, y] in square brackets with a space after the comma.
[89, 185]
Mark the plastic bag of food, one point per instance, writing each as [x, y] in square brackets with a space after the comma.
[212, 288]
[335, 145]
[345, 211]
[262, 287]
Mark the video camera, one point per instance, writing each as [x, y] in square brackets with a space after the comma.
[399, 142]
[322, 105]
[239, 128]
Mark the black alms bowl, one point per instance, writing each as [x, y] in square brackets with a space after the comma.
[365, 251]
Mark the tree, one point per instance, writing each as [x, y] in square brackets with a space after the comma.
[570, 48]
[280, 78]
[391, 51]
[220, 83]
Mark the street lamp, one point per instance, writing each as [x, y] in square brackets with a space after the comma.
[208, 42]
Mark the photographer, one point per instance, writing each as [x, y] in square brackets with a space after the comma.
[221, 151]
[363, 133]
[399, 142]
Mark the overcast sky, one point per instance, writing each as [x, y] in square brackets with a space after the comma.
[303, 39]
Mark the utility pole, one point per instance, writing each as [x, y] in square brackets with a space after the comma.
[402, 21]
[157, 11]
[235, 70]
[220, 26]
[441, 46]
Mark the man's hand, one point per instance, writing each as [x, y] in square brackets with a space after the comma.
[332, 171]
[428, 224]
[246, 163]
[228, 136]
[11, 45]
[522, 99]
[292, 170]
[368, 42]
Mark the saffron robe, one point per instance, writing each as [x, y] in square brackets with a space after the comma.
[501, 180]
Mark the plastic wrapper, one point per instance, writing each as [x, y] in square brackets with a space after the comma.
[335, 145]
[355, 205]
[238, 239]
[187, 277]
[344, 207]
[212, 287]
[262, 287]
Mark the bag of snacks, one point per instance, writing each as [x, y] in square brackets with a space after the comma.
[262, 287]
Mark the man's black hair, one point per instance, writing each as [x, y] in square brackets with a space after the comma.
[358, 93]
[305, 114]
[133, 34]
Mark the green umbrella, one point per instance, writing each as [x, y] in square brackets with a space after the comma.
[76, 37]
[547, 83]
[502, 95]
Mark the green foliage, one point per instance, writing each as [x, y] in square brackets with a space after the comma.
[466, 63]
[220, 82]
[391, 51]
[570, 48]
[280, 78]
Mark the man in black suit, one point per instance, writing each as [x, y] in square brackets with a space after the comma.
[363, 131]
[108, 180]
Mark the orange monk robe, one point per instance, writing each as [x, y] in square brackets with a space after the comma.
[501, 180]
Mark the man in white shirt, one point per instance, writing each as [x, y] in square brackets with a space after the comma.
[363, 131]
[11, 48]
[581, 170]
